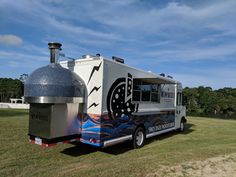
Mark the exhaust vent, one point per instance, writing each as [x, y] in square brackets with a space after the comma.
[54, 48]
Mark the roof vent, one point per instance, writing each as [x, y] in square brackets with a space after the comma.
[117, 59]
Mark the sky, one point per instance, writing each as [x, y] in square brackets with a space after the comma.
[192, 40]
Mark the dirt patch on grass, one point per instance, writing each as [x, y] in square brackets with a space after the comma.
[224, 166]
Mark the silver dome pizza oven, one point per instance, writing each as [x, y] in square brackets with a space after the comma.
[56, 97]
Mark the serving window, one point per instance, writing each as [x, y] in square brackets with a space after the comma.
[146, 92]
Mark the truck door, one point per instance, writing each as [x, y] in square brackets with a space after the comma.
[178, 111]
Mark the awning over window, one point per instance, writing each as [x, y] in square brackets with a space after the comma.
[158, 80]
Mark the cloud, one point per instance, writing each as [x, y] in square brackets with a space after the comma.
[215, 76]
[204, 79]
[79, 31]
[10, 39]
[154, 32]
[190, 53]
[22, 59]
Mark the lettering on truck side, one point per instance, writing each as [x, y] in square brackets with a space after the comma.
[160, 127]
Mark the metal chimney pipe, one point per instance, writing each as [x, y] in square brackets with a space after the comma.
[54, 48]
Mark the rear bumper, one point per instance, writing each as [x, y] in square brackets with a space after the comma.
[72, 138]
[54, 141]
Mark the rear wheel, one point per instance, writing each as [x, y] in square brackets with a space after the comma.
[138, 138]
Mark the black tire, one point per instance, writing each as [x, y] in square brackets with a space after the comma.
[182, 125]
[139, 138]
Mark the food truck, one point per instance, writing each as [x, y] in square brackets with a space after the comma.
[100, 101]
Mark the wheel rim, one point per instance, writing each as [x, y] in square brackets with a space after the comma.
[139, 138]
[182, 126]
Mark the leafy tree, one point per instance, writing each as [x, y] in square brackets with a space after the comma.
[205, 101]
[10, 88]
[23, 77]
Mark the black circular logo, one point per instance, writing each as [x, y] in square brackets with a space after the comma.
[119, 100]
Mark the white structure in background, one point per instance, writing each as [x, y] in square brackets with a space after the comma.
[16, 100]
[15, 104]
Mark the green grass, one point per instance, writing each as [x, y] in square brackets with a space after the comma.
[204, 138]
[13, 112]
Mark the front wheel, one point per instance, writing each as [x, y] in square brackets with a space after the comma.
[138, 138]
[182, 126]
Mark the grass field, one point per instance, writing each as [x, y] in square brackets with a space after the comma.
[204, 138]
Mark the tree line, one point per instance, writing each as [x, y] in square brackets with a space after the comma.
[12, 88]
[200, 101]
[204, 101]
